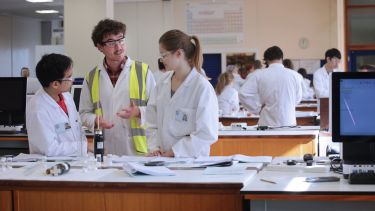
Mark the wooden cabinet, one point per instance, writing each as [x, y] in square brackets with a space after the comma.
[293, 145]
[6, 203]
[92, 196]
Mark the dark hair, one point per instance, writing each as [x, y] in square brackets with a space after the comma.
[52, 67]
[22, 70]
[333, 52]
[273, 53]
[174, 40]
[224, 79]
[288, 64]
[161, 64]
[257, 64]
[243, 71]
[303, 72]
[106, 27]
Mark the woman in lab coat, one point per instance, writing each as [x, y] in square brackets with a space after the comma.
[227, 95]
[182, 113]
[307, 88]
[52, 121]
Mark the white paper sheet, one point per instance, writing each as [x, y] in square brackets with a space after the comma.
[134, 169]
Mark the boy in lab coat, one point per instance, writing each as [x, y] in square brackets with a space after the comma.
[52, 121]
[274, 92]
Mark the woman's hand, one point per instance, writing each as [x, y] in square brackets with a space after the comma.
[169, 153]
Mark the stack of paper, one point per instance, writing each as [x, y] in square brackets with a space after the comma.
[231, 170]
[126, 159]
[133, 169]
[37, 157]
[240, 158]
[252, 159]
[28, 157]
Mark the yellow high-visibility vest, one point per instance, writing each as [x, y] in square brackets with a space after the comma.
[137, 89]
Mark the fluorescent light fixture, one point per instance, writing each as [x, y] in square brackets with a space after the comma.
[46, 11]
[39, 1]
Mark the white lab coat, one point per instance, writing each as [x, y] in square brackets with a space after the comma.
[238, 81]
[308, 91]
[321, 83]
[158, 75]
[273, 93]
[228, 100]
[187, 122]
[50, 131]
[117, 140]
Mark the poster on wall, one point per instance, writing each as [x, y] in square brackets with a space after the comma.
[216, 22]
[241, 60]
[311, 65]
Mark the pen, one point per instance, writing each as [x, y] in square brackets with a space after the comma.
[269, 181]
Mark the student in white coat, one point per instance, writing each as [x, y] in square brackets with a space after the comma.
[110, 90]
[182, 113]
[274, 92]
[227, 95]
[308, 90]
[321, 76]
[52, 121]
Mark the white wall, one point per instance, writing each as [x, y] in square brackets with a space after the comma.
[5, 46]
[41, 50]
[80, 17]
[26, 34]
[145, 22]
[17, 43]
[267, 23]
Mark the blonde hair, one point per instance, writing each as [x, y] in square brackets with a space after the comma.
[224, 79]
[175, 39]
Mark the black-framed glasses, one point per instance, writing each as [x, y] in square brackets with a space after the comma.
[112, 43]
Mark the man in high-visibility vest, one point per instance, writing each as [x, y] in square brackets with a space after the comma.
[115, 92]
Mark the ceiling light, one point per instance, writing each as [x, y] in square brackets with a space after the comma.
[46, 11]
[39, 1]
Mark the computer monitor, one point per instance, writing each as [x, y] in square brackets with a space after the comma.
[353, 107]
[353, 116]
[13, 100]
[76, 93]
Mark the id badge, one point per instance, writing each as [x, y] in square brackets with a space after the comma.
[181, 116]
[62, 127]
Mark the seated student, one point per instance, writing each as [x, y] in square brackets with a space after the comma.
[53, 123]
[308, 91]
[273, 93]
[227, 95]
[182, 112]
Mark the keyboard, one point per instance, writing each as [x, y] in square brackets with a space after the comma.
[298, 168]
[362, 177]
[10, 129]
